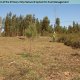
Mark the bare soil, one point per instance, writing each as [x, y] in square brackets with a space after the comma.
[38, 59]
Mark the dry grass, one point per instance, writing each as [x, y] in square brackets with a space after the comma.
[43, 60]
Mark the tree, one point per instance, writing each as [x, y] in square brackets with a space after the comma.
[50, 29]
[38, 27]
[70, 29]
[31, 33]
[45, 24]
[76, 27]
[13, 27]
[33, 19]
[28, 20]
[57, 22]
[64, 29]
[57, 26]
[20, 25]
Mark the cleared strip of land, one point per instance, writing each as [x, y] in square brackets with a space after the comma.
[38, 59]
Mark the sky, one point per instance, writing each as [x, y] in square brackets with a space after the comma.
[66, 12]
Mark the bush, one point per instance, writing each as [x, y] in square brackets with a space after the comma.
[72, 40]
[62, 39]
[28, 33]
[31, 31]
[68, 42]
[76, 44]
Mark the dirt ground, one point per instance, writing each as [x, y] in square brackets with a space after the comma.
[38, 59]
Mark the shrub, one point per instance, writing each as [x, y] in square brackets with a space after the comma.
[68, 42]
[76, 44]
[72, 40]
[28, 33]
[31, 31]
[62, 39]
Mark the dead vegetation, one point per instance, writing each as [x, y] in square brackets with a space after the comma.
[46, 60]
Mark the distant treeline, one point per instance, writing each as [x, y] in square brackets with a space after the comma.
[18, 25]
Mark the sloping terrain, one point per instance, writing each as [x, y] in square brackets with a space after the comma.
[38, 59]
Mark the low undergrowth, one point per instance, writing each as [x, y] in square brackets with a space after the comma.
[72, 40]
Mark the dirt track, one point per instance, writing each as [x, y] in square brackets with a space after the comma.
[43, 60]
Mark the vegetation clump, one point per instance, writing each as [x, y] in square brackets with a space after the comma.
[70, 40]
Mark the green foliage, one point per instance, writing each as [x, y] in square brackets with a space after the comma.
[50, 29]
[17, 26]
[68, 42]
[31, 31]
[76, 44]
[62, 39]
[74, 29]
[72, 40]
[28, 33]
[57, 22]
[45, 25]
[8, 24]
[25, 55]
[38, 26]
[57, 27]
[64, 30]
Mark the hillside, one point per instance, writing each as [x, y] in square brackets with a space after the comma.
[43, 60]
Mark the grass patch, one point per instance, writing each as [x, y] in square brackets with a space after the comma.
[25, 55]
[33, 57]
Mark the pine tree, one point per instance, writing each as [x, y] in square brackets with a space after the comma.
[13, 27]
[57, 26]
[8, 24]
[38, 27]
[45, 25]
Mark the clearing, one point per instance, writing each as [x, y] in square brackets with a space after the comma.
[43, 60]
